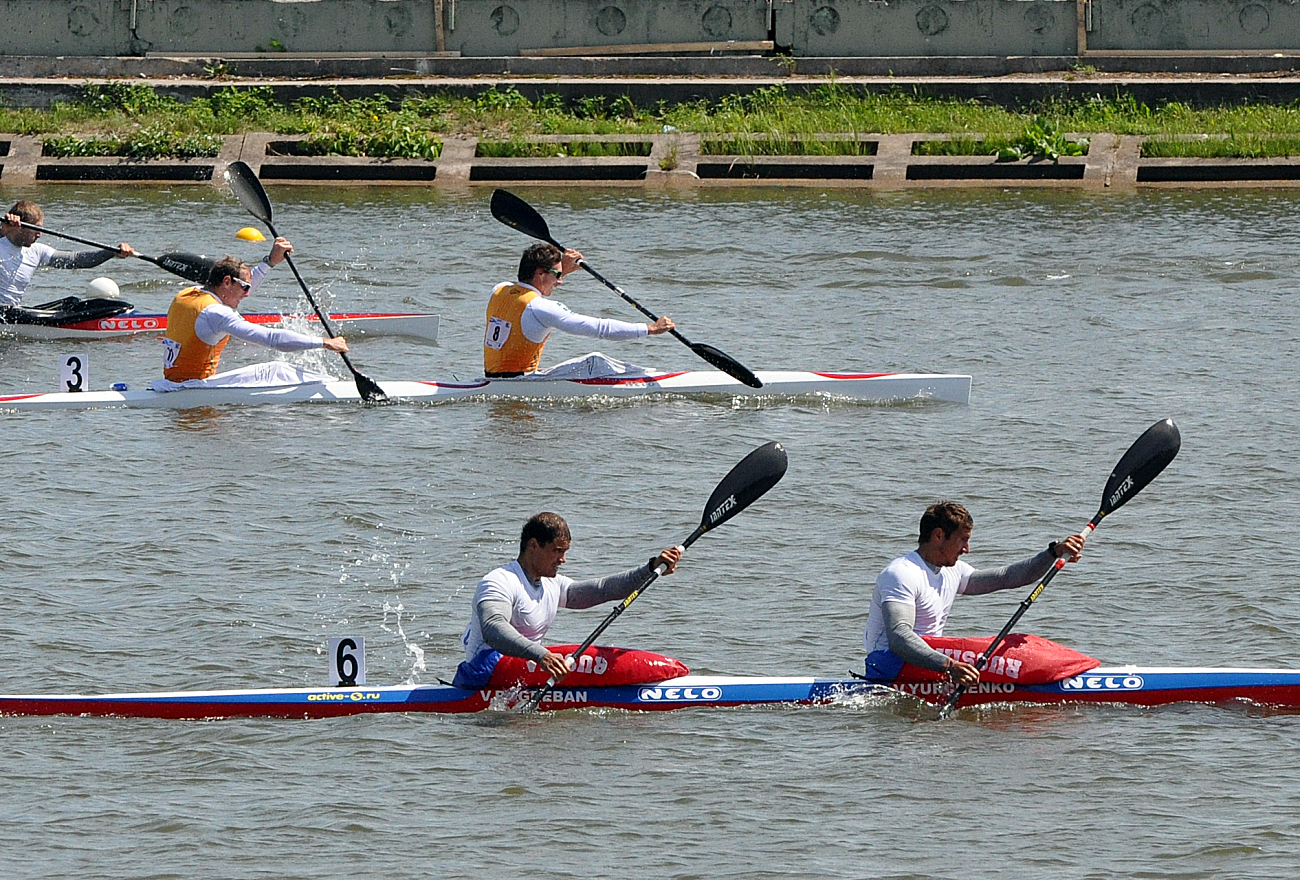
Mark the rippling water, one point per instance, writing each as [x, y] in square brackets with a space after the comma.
[218, 549]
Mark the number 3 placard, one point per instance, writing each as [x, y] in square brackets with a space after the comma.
[74, 373]
[348, 661]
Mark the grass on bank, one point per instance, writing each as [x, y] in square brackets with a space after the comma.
[126, 118]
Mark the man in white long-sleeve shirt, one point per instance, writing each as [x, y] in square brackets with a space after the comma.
[202, 320]
[515, 605]
[915, 592]
[521, 316]
[21, 254]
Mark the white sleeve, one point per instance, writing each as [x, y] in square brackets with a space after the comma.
[260, 271]
[217, 321]
[564, 583]
[891, 587]
[543, 315]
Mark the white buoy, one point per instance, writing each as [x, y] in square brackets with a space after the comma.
[105, 287]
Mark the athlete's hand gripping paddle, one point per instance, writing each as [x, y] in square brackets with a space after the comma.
[742, 486]
[1145, 459]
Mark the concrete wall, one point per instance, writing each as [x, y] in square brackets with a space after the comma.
[503, 27]
[179, 26]
[927, 27]
[493, 28]
[1133, 25]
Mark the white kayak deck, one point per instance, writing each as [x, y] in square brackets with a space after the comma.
[878, 388]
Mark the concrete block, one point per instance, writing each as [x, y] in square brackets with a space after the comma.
[1195, 25]
[812, 28]
[504, 27]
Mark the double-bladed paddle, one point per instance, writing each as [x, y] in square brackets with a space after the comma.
[191, 267]
[1145, 459]
[518, 214]
[742, 486]
[248, 189]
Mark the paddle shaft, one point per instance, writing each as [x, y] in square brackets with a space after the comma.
[252, 195]
[320, 313]
[636, 305]
[983, 662]
[658, 572]
[178, 267]
[324, 318]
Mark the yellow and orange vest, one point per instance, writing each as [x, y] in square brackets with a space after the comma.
[195, 359]
[505, 347]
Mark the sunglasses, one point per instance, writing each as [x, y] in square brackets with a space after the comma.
[244, 285]
[558, 273]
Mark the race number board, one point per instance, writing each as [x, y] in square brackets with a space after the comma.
[74, 373]
[347, 661]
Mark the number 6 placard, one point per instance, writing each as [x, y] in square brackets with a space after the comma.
[347, 661]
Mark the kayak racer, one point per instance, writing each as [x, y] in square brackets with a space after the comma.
[914, 593]
[515, 605]
[21, 254]
[521, 316]
[201, 320]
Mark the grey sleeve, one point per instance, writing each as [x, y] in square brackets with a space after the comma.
[494, 621]
[991, 580]
[594, 591]
[900, 618]
[81, 259]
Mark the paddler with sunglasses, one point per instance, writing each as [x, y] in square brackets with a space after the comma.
[201, 321]
[521, 316]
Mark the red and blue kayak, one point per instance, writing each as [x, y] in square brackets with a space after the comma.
[1120, 685]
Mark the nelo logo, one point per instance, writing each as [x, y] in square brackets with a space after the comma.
[128, 324]
[1087, 682]
[678, 694]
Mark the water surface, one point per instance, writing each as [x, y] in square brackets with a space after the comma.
[222, 548]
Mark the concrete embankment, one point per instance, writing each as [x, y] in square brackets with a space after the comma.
[679, 159]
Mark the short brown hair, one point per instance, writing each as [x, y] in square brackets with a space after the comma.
[225, 266]
[947, 515]
[544, 528]
[28, 212]
[538, 256]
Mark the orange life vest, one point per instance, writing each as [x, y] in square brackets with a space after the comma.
[506, 350]
[188, 356]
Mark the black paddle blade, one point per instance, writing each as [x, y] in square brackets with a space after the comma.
[747, 482]
[727, 364]
[518, 214]
[1145, 459]
[369, 389]
[248, 189]
[191, 267]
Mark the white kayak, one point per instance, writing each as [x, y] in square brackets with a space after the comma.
[419, 327]
[871, 387]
